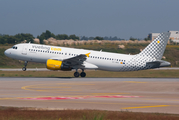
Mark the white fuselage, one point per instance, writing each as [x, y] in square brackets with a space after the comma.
[41, 53]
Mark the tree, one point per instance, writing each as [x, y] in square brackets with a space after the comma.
[24, 36]
[2, 40]
[74, 37]
[84, 38]
[98, 38]
[147, 38]
[106, 38]
[12, 40]
[61, 37]
[91, 38]
[133, 39]
[45, 35]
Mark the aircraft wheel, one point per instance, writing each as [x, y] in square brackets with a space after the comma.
[24, 68]
[76, 74]
[83, 74]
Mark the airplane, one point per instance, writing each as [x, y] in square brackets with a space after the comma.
[66, 59]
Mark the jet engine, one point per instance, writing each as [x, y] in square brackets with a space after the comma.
[57, 65]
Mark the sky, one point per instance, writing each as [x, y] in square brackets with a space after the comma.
[121, 18]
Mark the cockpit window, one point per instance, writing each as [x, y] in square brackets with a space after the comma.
[14, 47]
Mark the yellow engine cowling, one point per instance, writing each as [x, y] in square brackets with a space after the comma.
[57, 65]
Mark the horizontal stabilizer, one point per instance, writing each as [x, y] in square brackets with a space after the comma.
[159, 63]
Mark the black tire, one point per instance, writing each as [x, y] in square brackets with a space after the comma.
[76, 74]
[24, 68]
[83, 74]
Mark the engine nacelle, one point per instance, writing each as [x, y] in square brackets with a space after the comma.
[57, 65]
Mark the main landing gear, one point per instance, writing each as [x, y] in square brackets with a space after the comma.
[77, 74]
[25, 64]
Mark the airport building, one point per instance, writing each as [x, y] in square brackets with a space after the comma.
[174, 36]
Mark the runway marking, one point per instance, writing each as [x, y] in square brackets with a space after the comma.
[82, 97]
[77, 83]
[53, 86]
[108, 103]
[146, 106]
[80, 102]
[55, 90]
[108, 93]
[134, 82]
[6, 98]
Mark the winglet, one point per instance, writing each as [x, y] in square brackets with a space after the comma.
[87, 54]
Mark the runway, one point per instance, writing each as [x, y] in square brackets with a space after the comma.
[159, 95]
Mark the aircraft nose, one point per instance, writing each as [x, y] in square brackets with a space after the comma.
[6, 52]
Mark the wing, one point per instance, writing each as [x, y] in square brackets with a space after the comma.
[77, 60]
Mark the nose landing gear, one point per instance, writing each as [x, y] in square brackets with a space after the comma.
[25, 64]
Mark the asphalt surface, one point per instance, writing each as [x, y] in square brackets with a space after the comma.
[159, 95]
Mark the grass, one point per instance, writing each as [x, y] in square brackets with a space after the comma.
[93, 74]
[25, 114]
